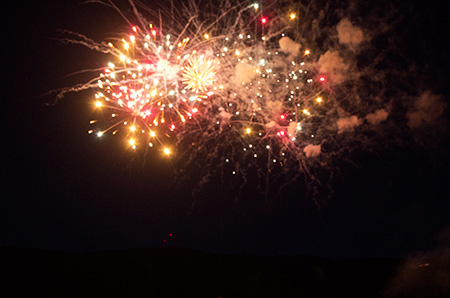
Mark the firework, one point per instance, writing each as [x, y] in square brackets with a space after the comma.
[252, 81]
[198, 74]
[156, 83]
[236, 88]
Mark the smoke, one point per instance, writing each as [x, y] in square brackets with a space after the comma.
[244, 73]
[287, 45]
[377, 117]
[224, 114]
[427, 109]
[274, 105]
[292, 128]
[271, 124]
[348, 34]
[348, 123]
[425, 274]
[170, 71]
[332, 64]
[312, 150]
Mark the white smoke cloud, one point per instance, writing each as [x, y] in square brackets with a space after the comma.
[292, 128]
[224, 114]
[428, 107]
[332, 64]
[312, 150]
[170, 71]
[274, 105]
[377, 116]
[289, 46]
[348, 34]
[271, 124]
[244, 73]
[348, 123]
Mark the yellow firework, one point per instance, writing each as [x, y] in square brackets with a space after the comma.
[198, 74]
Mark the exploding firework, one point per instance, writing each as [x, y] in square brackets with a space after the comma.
[155, 87]
[199, 74]
[238, 86]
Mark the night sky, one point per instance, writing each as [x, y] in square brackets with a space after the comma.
[63, 189]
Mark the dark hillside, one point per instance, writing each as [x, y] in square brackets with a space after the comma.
[171, 272]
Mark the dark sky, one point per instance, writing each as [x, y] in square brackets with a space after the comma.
[62, 189]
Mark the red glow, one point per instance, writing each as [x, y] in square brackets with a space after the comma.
[282, 116]
[263, 20]
[170, 235]
[134, 28]
[322, 79]
[154, 32]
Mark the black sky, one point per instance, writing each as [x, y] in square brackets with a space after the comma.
[63, 189]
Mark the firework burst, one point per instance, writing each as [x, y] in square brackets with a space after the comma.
[236, 87]
[198, 74]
